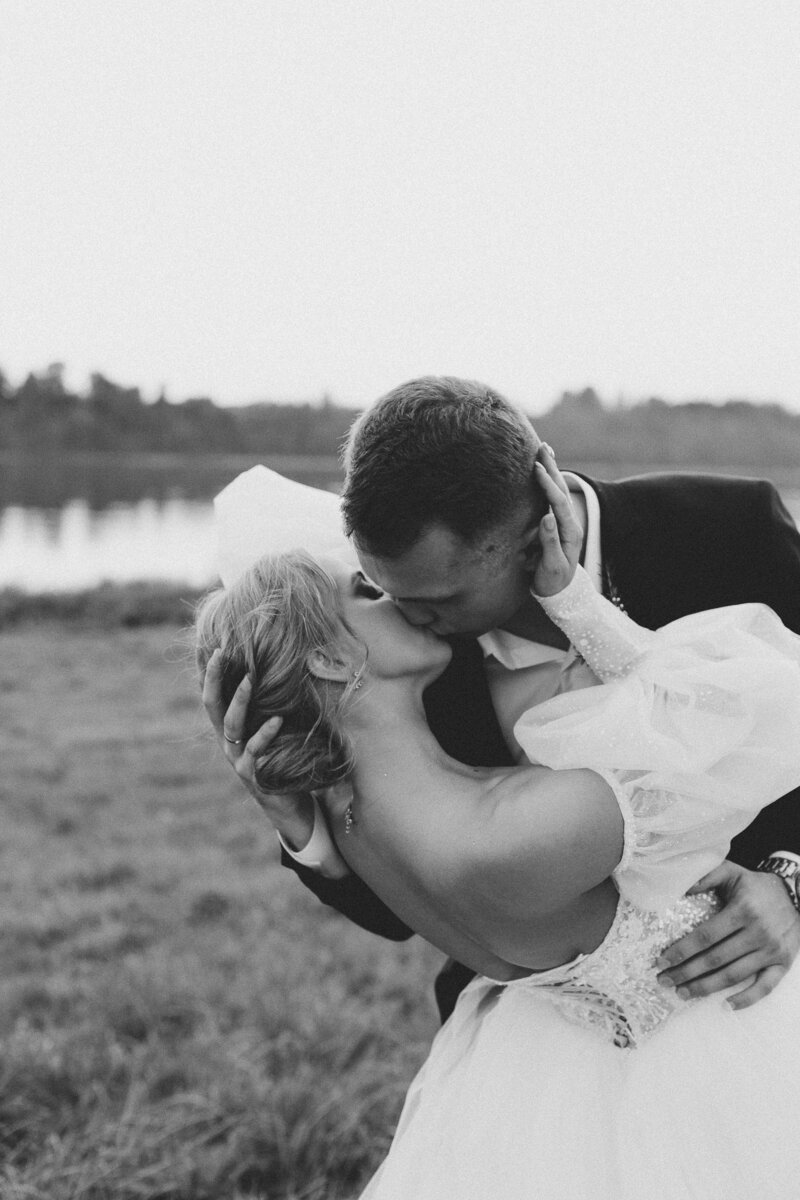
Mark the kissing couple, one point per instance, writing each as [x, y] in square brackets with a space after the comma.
[550, 724]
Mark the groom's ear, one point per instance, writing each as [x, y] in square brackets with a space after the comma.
[324, 665]
[530, 548]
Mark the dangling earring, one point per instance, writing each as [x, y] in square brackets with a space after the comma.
[358, 679]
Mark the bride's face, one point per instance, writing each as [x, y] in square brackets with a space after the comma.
[395, 646]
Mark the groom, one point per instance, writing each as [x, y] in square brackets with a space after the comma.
[444, 510]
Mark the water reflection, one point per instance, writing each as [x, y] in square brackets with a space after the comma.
[71, 524]
[74, 547]
[82, 540]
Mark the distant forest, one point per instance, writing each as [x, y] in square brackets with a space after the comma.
[42, 416]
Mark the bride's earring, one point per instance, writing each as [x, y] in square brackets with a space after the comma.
[349, 815]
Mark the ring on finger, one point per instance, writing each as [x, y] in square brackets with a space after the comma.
[233, 741]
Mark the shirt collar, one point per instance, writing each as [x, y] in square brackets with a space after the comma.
[513, 651]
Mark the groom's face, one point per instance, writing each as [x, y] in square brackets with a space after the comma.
[451, 586]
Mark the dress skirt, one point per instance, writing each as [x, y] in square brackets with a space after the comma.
[516, 1102]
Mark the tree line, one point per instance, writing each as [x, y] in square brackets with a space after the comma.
[43, 416]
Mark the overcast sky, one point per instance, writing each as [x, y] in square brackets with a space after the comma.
[258, 198]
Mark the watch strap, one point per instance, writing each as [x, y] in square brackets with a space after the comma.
[786, 866]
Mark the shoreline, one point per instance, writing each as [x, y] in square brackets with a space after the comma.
[135, 605]
[165, 460]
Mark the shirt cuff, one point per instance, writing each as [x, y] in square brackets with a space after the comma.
[319, 851]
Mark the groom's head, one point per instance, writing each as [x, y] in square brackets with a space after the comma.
[441, 502]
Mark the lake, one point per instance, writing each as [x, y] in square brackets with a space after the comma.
[69, 524]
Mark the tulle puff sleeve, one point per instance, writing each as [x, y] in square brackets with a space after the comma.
[696, 729]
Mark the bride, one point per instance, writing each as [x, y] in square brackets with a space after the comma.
[567, 1070]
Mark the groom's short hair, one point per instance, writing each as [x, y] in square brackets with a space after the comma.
[437, 450]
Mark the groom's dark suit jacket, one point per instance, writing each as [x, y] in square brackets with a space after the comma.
[671, 545]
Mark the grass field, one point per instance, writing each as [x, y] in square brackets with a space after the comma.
[179, 1018]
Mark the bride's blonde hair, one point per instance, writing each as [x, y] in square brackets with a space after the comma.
[284, 609]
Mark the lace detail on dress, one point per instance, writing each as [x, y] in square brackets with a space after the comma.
[614, 991]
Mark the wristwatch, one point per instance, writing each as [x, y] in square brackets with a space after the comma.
[786, 866]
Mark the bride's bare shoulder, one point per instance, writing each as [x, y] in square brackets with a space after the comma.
[560, 830]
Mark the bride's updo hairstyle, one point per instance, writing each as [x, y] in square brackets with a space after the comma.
[267, 624]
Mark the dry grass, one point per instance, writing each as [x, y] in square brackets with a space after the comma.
[179, 1018]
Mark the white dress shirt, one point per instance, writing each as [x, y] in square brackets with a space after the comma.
[521, 674]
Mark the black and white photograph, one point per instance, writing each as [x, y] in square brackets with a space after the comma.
[399, 600]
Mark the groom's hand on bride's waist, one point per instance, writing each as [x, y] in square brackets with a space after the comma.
[295, 816]
[752, 941]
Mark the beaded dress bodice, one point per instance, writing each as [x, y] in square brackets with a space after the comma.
[614, 990]
[693, 731]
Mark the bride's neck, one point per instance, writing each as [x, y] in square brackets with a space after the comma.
[386, 723]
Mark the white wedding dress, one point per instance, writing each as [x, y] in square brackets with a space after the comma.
[592, 1081]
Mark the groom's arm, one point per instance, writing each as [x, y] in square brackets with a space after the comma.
[350, 896]
[777, 827]
[754, 940]
[781, 559]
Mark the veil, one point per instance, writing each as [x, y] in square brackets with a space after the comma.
[261, 512]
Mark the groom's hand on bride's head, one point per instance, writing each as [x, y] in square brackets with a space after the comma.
[750, 943]
[291, 814]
